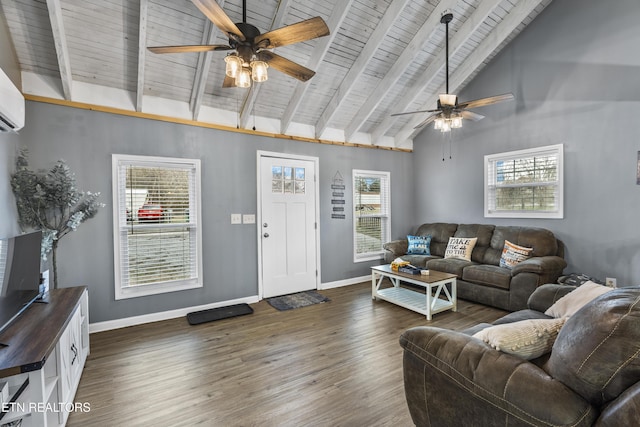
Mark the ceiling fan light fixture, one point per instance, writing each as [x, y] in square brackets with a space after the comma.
[259, 71]
[438, 123]
[446, 126]
[456, 122]
[234, 65]
[448, 99]
[244, 78]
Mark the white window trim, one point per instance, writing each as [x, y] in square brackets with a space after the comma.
[557, 214]
[157, 288]
[370, 256]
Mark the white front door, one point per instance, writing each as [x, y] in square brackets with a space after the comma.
[287, 225]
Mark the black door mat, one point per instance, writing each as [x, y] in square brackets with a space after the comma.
[219, 313]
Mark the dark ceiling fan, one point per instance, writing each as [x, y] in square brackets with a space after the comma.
[251, 56]
[449, 113]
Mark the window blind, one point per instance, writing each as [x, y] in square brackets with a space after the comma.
[525, 183]
[158, 230]
[371, 201]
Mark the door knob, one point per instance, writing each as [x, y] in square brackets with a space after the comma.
[266, 234]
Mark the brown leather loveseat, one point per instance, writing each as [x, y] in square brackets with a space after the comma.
[482, 279]
[590, 377]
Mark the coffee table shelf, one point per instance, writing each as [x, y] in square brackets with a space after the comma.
[436, 298]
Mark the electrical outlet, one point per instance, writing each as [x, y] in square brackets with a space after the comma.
[611, 282]
[248, 219]
[236, 218]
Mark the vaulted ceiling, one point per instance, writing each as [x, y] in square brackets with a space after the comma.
[381, 57]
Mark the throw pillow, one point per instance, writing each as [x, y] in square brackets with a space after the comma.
[575, 300]
[528, 339]
[460, 247]
[419, 245]
[512, 254]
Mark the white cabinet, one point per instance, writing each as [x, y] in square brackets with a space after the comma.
[44, 391]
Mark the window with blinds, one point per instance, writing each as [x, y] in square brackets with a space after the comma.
[372, 214]
[157, 236]
[525, 183]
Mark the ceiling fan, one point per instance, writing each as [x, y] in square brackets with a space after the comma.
[252, 56]
[449, 113]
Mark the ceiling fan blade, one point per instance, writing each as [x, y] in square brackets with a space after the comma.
[414, 112]
[212, 10]
[186, 49]
[287, 66]
[228, 81]
[470, 115]
[486, 101]
[294, 33]
[426, 121]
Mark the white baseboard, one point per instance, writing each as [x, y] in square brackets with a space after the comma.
[345, 282]
[172, 314]
[164, 315]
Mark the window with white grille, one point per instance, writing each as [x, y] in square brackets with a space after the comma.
[157, 235]
[524, 183]
[372, 214]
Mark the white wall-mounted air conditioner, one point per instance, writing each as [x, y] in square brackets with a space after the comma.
[11, 105]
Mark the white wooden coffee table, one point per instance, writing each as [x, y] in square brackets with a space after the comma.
[437, 297]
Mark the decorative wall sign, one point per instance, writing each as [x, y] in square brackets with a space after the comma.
[338, 196]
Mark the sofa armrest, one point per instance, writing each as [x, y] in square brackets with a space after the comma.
[623, 411]
[449, 373]
[546, 295]
[397, 247]
[543, 265]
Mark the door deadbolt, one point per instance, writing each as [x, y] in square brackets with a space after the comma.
[266, 234]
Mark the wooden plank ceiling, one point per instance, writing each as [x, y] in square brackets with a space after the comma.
[382, 57]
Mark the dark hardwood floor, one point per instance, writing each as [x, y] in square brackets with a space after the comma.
[332, 364]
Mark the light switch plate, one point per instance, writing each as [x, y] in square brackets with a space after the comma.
[249, 219]
[236, 218]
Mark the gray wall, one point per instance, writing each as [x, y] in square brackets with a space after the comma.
[575, 74]
[86, 140]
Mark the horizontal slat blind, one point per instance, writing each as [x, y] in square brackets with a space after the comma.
[525, 182]
[158, 224]
[371, 201]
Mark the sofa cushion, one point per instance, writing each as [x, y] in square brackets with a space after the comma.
[449, 265]
[528, 339]
[488, 275]
[418, 245]
[513, 254]
[460, 247]
[440, 233]
[597, 352]
[418, 260]
[483, 232]
[542, 241]
[574, 301]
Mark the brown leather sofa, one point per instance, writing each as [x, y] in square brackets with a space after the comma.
[591, 376]
[482, 279]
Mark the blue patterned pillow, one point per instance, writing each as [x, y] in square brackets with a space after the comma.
[419, 245]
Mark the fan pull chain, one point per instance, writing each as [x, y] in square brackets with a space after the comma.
[237, 111]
